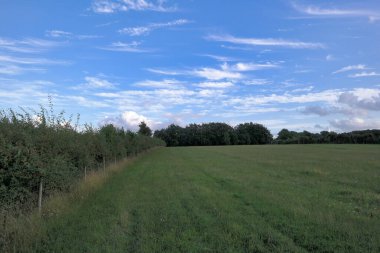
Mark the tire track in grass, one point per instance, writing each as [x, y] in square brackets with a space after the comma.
[244, 208]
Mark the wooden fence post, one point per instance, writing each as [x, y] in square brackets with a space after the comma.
[5, 220]
[104, 164]
[40, 197]
[85, 173]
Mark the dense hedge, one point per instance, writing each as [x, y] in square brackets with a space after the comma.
[39, 145]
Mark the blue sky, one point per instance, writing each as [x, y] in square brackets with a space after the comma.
[301, 65]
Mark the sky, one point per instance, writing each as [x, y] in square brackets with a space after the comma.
[300, 65]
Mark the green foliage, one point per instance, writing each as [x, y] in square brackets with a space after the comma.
[356, 137]
[144, 129]
[40, 145]
[214, 133]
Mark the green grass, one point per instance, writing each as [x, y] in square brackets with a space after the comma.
[297, 198]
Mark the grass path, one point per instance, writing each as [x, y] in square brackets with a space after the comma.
[319, 198]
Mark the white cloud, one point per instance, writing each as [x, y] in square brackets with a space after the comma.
[164, 84]
[243, 67]
[210, 93]
[136, 31]
[320, 12]
[356, 123]
[350, 68]
[257, 82]
[145, 30]
[216, 74]
[367, 99]
[132, 47]
[133, 119]
[356, 102]
[112, 6]
[226, 71]
[304, 89]
[165, 72]
[130, 120]
[58, 34]
[329, 96]
[265, 42]
[97, 83]
[217, 85]
[364, 74]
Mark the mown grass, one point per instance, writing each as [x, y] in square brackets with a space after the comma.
[298, 198]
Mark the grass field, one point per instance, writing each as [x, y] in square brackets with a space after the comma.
[312, 198]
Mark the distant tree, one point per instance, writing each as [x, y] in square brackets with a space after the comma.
[284, 135]
[251, 134]
[144, 129]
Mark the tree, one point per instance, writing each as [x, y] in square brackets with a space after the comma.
[253, 134]
[144, 129]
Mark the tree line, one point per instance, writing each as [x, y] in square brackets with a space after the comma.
[215, 133]
[36, 146]
[355, 137]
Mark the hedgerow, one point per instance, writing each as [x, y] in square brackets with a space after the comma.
[40, 146]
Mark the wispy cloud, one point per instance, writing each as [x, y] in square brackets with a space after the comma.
[335, 12]
[162, 84]
[217, 85]
[23, 92]
[216, 74]
[11, 65]
[15, 70]
[221, 58]
[165, 72]
[364, 74]
[28, 45]
[69, 35]
[145, 30]
[58, 34]
[132, 47]
[287, 98]
[265, 42]
[243, 66]
[30, 61]
[225, 71]
[257, 82]
[96, 83]
[85, 102]
[350, 68]
[107, 24]
[112, 6]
